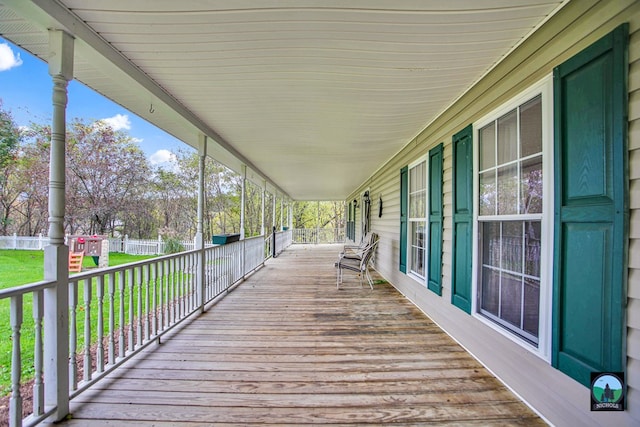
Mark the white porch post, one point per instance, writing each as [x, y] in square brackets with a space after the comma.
[273, 212]
[317, 222]
[262, 213]
[281, 214]
[56, 254]
[200, 274]
[243, 200]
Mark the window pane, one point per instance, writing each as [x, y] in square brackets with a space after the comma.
[531, 127]
[412, 179]
[488, 193]
[511, 298]
[488, 146]
[507, 138]
[417, 194]
[531, 185]
[532, 245]
[512, 246]
[490, 243]
[417, 205]
[531, 306]
[490, 290]
[508, 190]
[417, 247]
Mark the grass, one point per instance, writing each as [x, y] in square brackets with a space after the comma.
[21, 268]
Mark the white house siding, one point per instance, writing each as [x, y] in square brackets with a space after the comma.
[557, 397]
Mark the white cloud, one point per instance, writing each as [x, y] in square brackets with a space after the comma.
[118, 122]
[163, 158]
[8, 59]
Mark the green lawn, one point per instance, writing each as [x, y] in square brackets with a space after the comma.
[21, 268]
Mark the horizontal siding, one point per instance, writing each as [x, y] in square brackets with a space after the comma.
[633, 288]
[559, 398]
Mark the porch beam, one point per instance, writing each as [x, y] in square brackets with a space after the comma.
[56, 255]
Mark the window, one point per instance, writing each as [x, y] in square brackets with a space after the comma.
[512, 217]
[417, 218]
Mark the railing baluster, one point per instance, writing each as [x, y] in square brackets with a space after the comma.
[147, 306]
[122, 320]
[130, 275]
[161, 280]
[193, 290]
[186, 272]
[38, 355]
[73, 335]
[192, 285]
[139, 283]
[15, 402]
[100, 331]
[112, 320]
[154, 308]
[165, 294]
[87, 330]
[172, 291]
[182, 294]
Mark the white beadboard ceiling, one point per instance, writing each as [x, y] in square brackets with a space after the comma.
[312, 96]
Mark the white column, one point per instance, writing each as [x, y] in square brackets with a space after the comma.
[243, 200]
[281, 213]
[56, 254]
[262, 207]
[290, 220]
[273, 222]
[200, 274]
[317, 222]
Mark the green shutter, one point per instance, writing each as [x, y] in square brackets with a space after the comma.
[462, 218]
[434, 273]
[404, 188]
[591, 209]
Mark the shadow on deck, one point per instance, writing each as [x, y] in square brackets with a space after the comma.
[287, 347]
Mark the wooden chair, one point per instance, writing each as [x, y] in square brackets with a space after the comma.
[357, 264]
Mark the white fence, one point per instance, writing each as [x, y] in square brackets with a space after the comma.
[157, 246]
[122, 245]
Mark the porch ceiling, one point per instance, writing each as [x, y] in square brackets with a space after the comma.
[313, 96]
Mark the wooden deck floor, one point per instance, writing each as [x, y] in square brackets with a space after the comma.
[286, 347]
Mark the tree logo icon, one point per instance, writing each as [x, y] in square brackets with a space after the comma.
[607, 391]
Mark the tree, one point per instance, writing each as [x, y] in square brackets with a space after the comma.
[32, 211]
[106, 169]
[10, 138]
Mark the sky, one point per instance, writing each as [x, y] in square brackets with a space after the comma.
[25, 92]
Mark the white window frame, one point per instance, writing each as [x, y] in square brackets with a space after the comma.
[421, 279]
[544, 88]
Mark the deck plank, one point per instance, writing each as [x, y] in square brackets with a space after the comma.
[287, 347]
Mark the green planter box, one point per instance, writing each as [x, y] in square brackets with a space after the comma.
[223, 239]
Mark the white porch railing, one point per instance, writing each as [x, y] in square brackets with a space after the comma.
[318, 235]
[116, 312]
